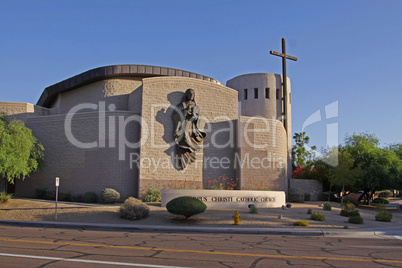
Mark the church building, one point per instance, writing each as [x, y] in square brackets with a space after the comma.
[131, 127]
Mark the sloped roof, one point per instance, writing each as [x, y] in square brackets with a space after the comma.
[51, 92]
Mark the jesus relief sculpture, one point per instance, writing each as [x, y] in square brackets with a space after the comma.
[188, 135]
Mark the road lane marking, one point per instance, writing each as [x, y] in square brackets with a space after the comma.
[202, 252]
[88, 261]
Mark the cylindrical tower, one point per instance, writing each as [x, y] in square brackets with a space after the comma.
[261, 95]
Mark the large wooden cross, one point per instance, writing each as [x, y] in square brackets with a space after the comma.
[284, 76]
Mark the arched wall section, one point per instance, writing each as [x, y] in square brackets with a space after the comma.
[111, 91]
[219, 108]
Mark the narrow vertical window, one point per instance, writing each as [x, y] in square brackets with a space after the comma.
[267, 93]
[277, 94]
[255, 93]
[245, 93]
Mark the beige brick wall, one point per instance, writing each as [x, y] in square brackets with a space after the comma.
[262, 154]
[21, 110]
[112, 91]
[217, 103]
[83, 170]
[135, 100]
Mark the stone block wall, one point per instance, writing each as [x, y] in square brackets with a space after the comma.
[219, 107]
[80, 169]
[262, 154]
[21, 110]
[111, 91]
[313, 187]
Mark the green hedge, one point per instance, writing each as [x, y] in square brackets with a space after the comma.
[186, 206]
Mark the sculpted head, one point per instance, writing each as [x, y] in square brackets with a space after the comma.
[189, 95]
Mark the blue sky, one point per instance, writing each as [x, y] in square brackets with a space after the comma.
[349, 51]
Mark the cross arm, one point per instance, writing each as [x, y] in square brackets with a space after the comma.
[283, 55]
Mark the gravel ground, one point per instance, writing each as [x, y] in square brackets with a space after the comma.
[40, 210]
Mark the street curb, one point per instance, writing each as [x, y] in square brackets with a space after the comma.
[190, 229]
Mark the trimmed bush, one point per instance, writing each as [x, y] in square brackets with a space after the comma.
[109, 195]
[253, 209]
[349, 210]
[327, 206]
[186, 206]
[301, 223]
[383, 215]
[89, 197]
[153, 194]
[381, 200]
[296, 195]
[317, 216]
[346, 213]
[356, 219]
[133, 209]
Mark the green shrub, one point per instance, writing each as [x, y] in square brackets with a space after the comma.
[381, 200]
[327, 206]
[383, 215]
[309, 211]
[317, 216]
[109, 195]
[41, 193]
[4, 197]
[253, 209]
[346, 213]
[356, 219]
[133, 209]
[186, 206]
[296, 195]
[154, 194]
[349, 210]
[301, 223]
[89, 197]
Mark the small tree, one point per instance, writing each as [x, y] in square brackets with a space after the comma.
[300, 155]
[344, 174]
[20, 153]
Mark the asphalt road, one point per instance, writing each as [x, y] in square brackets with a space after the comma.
[40, 247]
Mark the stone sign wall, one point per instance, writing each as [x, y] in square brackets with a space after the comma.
[229, 199]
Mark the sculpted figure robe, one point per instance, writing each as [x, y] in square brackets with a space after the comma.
[187, 134]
